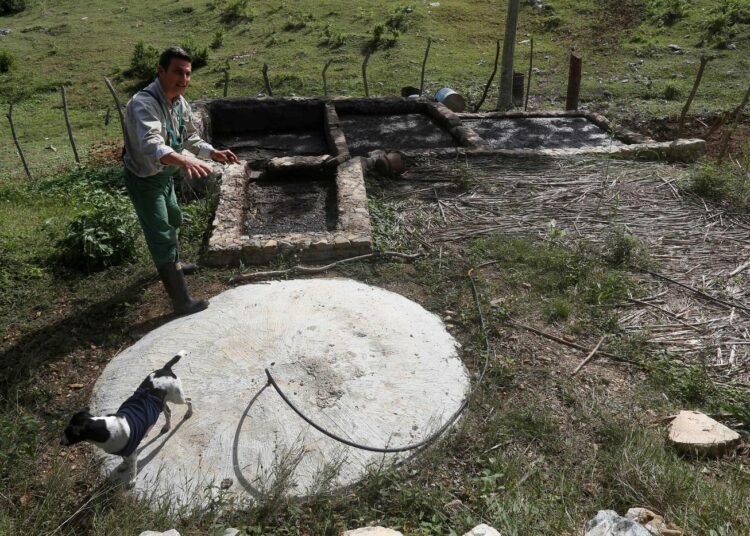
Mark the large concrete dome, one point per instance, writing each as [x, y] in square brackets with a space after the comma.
[365, 363]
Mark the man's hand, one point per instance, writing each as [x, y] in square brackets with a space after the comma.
[193, 168]
[226, 157]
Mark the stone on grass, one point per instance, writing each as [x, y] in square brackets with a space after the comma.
[695, 433]
[654, 523]
[608, 523]
[372, 531]
[482, 530]
[170, 532]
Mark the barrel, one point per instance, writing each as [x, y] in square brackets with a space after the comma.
[454, 101]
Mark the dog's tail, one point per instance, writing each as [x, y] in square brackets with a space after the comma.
[175, 359]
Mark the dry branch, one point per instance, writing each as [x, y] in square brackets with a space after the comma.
[15, 140]
[492, 76]
[67, 125]
[267, 82]
[704, 61]
[424, 64]
[589, 357]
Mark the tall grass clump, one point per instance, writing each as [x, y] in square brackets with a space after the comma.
[721, 183]
[143, 62]
[7, 61]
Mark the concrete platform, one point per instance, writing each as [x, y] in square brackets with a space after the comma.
[363, 362]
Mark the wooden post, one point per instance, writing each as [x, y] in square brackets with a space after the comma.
[118, 107]
[15, 140]
[325, 82]
[528, 78]
[574, 82]
[67, 124]
[704, 61]
[108, 116]
[226, 81]
[505, 97]
[518, 89]
[492, 76]
[266, 81]
[364, 71]
[728, 134]
[424, 64]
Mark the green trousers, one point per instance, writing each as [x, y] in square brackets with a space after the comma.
[156, 205]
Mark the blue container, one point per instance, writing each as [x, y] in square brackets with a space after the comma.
[454, 101]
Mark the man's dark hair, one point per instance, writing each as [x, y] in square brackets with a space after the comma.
[174, 52]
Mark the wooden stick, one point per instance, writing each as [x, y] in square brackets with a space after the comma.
[256, 276]
[528, 81]
[266, 81]
[9, 115]
[424, 64]
[728, 134]
[589, 357]
[108, 116]
[67, 124]
[641, 302]
[704, 61]
[563, 341]
[325, 82]
[741, 268]
[118, 107]
[364, 71]
[492, 76]
[226, 82]
[700, 293]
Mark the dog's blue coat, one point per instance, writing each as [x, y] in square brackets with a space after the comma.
[141, 411]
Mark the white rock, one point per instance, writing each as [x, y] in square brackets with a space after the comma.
[482, 530]
[696, 433]
[372, 531]
[229, 532]
[170, 532]
[608, 523]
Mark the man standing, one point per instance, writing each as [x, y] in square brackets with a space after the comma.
[158, 127]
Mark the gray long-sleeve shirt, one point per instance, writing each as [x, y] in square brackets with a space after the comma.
[146, 139]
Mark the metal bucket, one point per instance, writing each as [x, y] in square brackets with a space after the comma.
[454, 101]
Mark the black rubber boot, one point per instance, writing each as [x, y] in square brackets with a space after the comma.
[174, 283]
[188, 268]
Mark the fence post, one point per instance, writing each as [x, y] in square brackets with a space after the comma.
[424, 64]
[266, 81]
[528, 78]
[18, 145]
[704, 61]
[67, 125]
[364, 72]
[574, 82]
[325, 82]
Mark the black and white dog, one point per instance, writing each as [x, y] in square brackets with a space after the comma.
[120, 433]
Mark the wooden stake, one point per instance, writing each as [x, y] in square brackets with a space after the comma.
[15, 140]
[728, 134]
[118, 107]
[364, 71]
[492, 76]
[704, 61]
[574, 82]
[589, 357]
[424, 64]
[226, 81]
[108, 116]
[505, 96]
[265, 80]
[528, 78]
[67, 125]
[325, 82]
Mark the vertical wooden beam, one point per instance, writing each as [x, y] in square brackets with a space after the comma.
[364, 71]
[518, 87]
[226, 81]
[325, 81]
[118, 107]
[67, 124]
[492, 77]
[15, 140]
[528, 78]
[424, 64]
[266, 81]
[574, 82]
[704, 61]
[505, 97]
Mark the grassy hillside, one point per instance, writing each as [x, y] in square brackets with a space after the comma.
[628, 67]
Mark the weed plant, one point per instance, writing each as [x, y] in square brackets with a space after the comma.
[143, 62]
[7, 61]
[728, 184]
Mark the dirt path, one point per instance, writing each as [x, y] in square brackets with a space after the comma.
[690, 243]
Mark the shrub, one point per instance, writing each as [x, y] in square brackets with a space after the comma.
[719, 27]
[666, 12]
[623, 250]
[721, 183]
[7, 61]
[8, 7]
[143, 62]
[103, 234]
[332, 39]
[671, 91]
[235, 11]
[218, 39]
[199, 54]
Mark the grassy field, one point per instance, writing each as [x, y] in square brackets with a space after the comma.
[538, 452]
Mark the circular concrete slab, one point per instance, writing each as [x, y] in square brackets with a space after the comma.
[365, 363]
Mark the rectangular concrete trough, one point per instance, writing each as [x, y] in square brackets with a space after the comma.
[301, 191]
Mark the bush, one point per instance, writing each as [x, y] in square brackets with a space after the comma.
[666, 12]
[671, 91]
[235, 11]
[720, 27]
[199, 54]
[8, 7]
[143, 62]
[218, 39]
[7, 61]
[721, 183]
[332, 39]
[103, 234]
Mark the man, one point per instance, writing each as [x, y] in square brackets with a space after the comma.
[158, 126]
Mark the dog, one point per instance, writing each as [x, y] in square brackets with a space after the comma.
[120, 433]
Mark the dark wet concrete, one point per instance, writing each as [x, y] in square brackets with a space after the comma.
[540, 133]
[291, 205]
[365, 132]
[271, 143]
